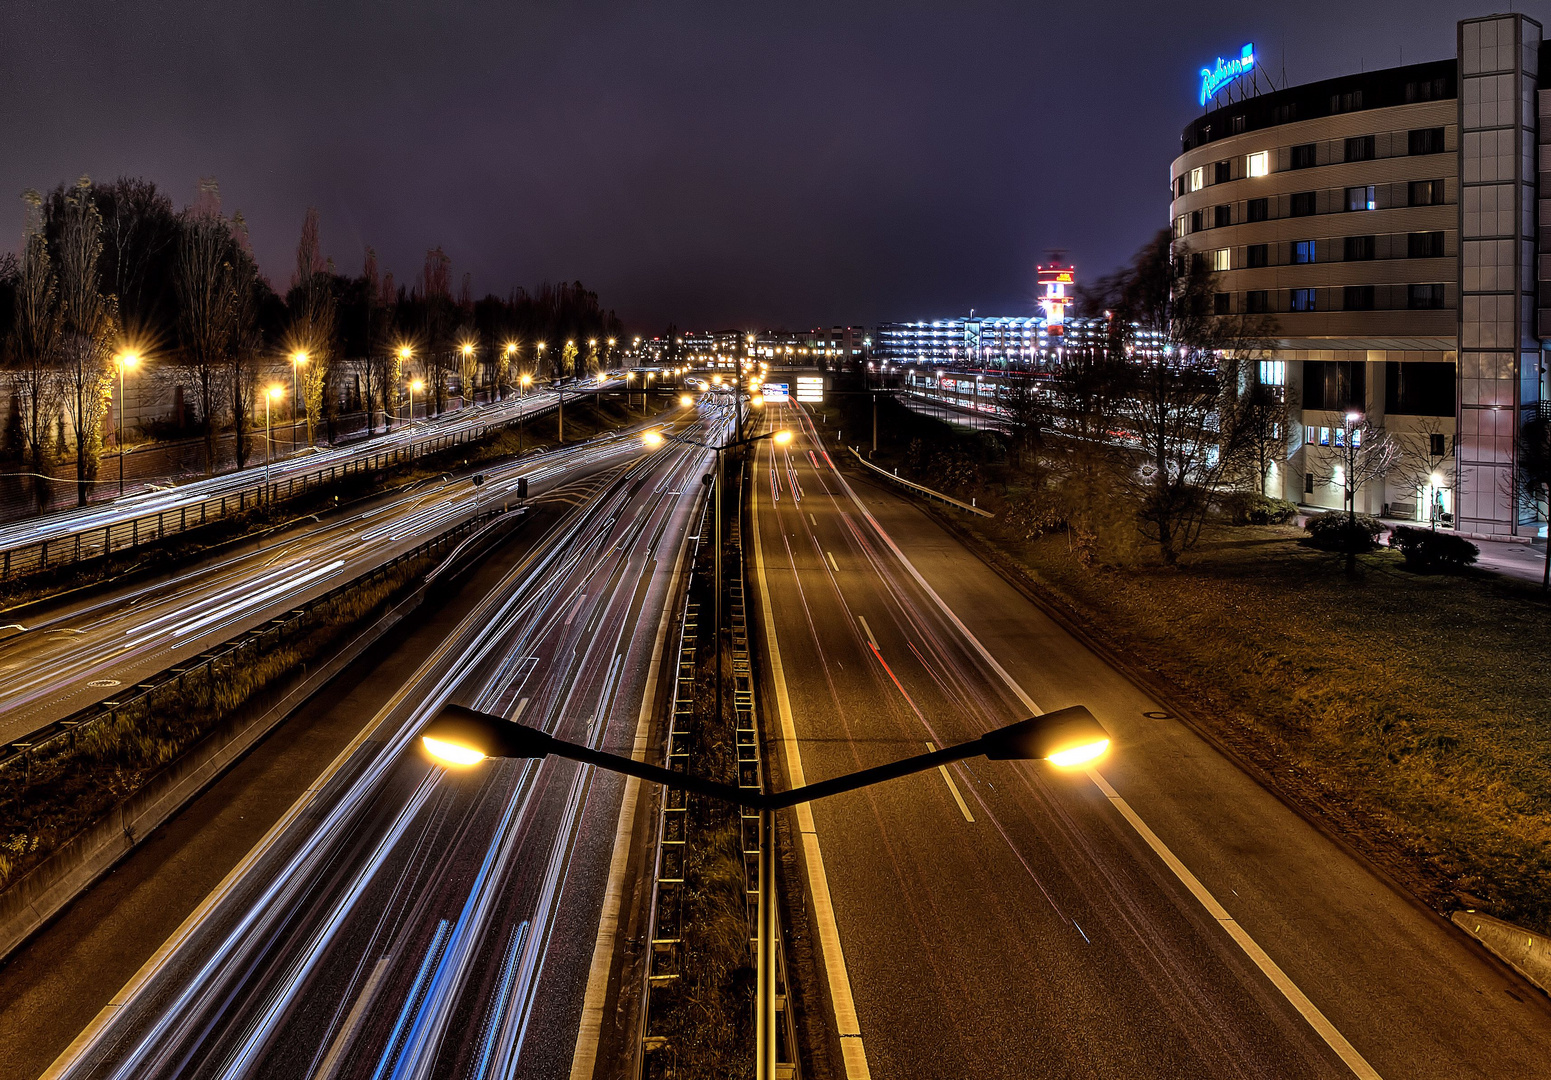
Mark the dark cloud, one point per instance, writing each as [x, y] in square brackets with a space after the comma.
[716, 163]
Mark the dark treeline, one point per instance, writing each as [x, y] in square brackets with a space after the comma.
[108, 271]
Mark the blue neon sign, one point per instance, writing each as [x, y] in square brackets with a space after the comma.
[1214, 79]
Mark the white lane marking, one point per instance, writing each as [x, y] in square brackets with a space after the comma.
[580, 600]
[584, 1059]
[347, 1029]
[1296, 997]
[814, 520]
[1310, 1012]
[947, 778]
[846, 1026]
[832, 564]
[517, 713]
[868, 631]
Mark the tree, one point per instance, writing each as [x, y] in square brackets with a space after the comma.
[140, 231]
[1365, 454]
[207, 302]
[313, 321]
[436, 325]
[1257, 422]
[1420, 463]
[87, 330]
[33, 375]
[249, 295]
[1534, 480]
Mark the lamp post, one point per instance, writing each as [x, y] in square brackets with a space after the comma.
[297, 360]
[526, 381]
[511, 356]
[461, 737]
[414, 385]
[125, 361]
[272, 394]
[405, 353]
[468, 351]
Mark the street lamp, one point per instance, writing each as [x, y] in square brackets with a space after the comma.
[526, 381]
[468, 351]
[272, 394]
[461, 737]
[511, 353]
[297, 360]
[414, 385]
[405, 352]
[125, 361]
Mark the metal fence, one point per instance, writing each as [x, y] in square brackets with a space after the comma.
[90, 543]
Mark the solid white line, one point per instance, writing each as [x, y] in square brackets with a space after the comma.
[948, 779]
[337, 1048]
[832, 564]
[584, 1059]
[846, 1026]
[868, 631]
[1296, 997]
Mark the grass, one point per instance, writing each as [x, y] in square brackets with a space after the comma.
[1410, 713]
[70, 785]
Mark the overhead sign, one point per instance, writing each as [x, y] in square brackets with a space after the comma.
[1214, 79]
[778, 392]
[810, 388]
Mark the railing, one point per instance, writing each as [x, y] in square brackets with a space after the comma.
[928, 492]
[169, 684]
[97, 541]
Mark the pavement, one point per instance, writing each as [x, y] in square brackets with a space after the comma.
[1161, 915]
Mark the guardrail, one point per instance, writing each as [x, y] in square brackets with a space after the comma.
[928, 492]
[91, 543]
[248, 645]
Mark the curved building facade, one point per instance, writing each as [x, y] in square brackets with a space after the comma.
[1383, 226]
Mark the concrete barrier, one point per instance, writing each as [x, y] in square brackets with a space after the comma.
[1523, 950]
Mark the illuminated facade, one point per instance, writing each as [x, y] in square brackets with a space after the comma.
[1382, 230]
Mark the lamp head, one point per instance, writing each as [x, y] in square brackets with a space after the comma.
[783, 437]
[417, 385]
[298, 358]
[404, 352]
[459, 736]
[685, 400]
[275, 392]
[1066, 737]
[652, 439]
[128, 360]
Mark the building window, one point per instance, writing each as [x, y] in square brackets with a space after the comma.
[1197, 179]
[1426, 90]
[1258, 255]
[1197, 219]
[1324, 436]
[1357, 248]
[1220, 259]
[1424, 245]
[1310, 436]
[1424, 297]
[1222, 303]
[1308, 483]
[1436, 445]
[1222, 215]
[1302, 300]
[1179, 186]
[1358, 198]
[1222, 172]
[1254, 165]
[1425, 141]
[1181, 226]
[1425, 192]
[1238, 123]
[1360, 148]
[1273, 373]
[1340, 103]
[1259, 209]
[1303, 156]
[1303, 251]
[1257, 302]
[1357, 298]
[1300, 204]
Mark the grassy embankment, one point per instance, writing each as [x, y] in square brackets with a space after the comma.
[1410, 713]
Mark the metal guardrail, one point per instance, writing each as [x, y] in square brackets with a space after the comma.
[928, 492]
[250, 644]
[95, 542]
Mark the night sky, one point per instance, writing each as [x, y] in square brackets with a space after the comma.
[721, 164]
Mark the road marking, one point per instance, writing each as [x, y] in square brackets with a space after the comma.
[852, 1053]
[832, 565]
[584, 1059]
[948, 779]
[517, 713]
[810, 518]
[337, 1047]
[870, 639]
[1296, 997]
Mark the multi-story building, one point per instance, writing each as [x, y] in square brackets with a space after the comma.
[1382, 230]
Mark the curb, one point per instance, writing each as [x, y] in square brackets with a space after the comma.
[1523, 950]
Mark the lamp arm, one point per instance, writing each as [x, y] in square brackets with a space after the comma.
[780, 800]
[645, 770]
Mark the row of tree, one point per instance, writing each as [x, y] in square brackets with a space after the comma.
[109, 270]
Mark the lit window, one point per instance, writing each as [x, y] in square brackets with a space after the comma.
[1259, 164]
[1324, 436]
[1361, 198]
[1274, 373]
[1338, 436]
[1181, 226]
[1220, 259]
[1303, 251]
[1310, 436]
[1197, 178]
[1357, 438]
[1302, 299]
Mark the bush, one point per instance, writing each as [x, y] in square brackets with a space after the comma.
[1253, 508]
[1426, 551]
[1335, 531]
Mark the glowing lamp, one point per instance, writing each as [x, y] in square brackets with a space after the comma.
[783, 437]
[1066, 738]
[651, 438]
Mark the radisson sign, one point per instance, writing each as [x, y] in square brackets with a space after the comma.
[1214, 79]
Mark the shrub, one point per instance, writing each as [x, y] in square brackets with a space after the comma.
[1253, 508]
[1426, 551]
[1335, 531]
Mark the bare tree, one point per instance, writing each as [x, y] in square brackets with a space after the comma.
[312, 321]
[33, 375]
[207, 300]
[1534, 480]
[1420, 461]
[1364, 455]
[87, 330]
[437, 316]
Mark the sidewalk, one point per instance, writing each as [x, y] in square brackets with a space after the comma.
[1515, 559]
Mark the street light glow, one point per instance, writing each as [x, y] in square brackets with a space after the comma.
[1078, 755]
[783, 437]
[417, 386]
[652, 439]
[451, 753]
[685, 400]
[275, 391]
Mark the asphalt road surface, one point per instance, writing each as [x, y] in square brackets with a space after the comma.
[405, 921]
[1160, 916]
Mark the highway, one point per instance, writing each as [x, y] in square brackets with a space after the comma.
[85, 652]
[401, 921]
[97, 516]
[1160, 916]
